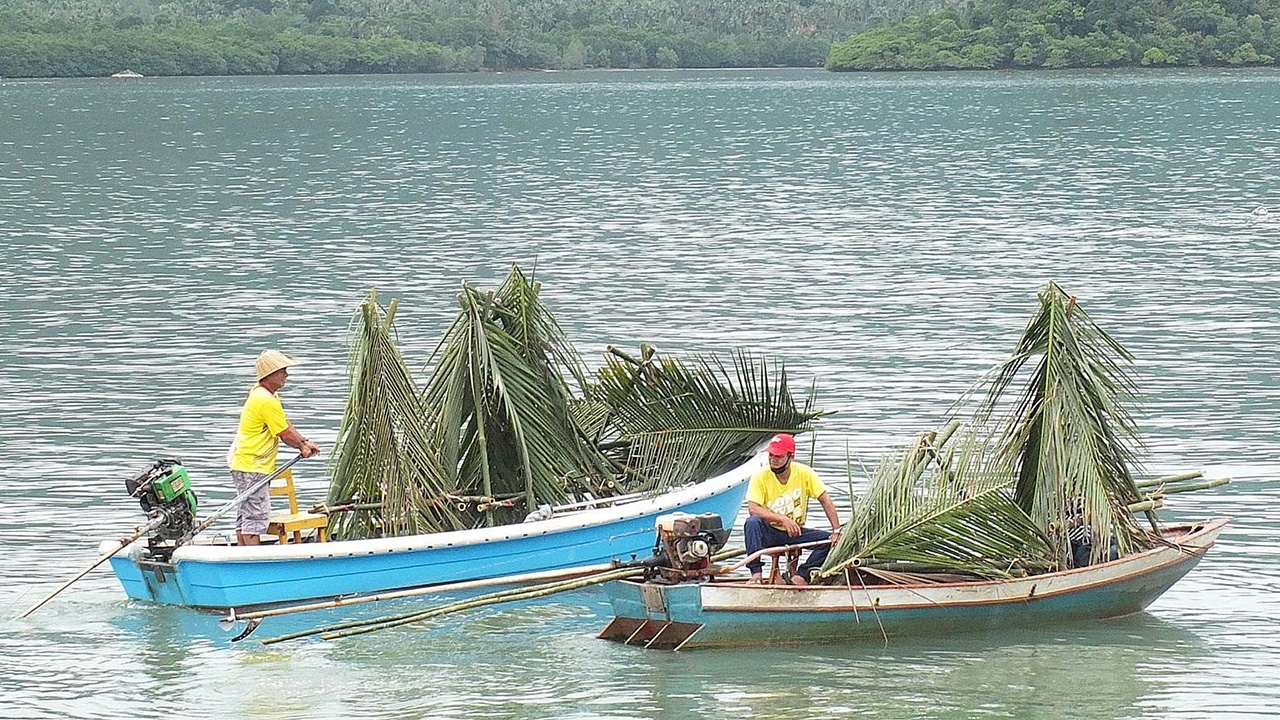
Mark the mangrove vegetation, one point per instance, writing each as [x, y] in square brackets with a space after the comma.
[77, 38]
[986, 34]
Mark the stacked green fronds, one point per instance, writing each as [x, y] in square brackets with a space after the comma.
[1068, 433]
[506, 427]
[385, 453]
[938, 509]
[1031, 471]
[669, 421]
[498, 430]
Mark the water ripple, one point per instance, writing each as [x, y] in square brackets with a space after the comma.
[884, 234]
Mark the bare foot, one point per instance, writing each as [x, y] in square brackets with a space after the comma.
[798, 581]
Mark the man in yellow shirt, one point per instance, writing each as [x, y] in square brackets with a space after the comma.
[778, 501]
[263, 426]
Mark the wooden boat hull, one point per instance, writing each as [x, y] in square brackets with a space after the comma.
[225, 576]
[704, 614]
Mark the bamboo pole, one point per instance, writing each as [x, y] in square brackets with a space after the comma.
[546, 576]
[340, 630]
[477, 603]
[1146, 505]
[1192, 487]
[1170, 478]
[488, 599]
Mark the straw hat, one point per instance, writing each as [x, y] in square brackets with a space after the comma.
[272, 360]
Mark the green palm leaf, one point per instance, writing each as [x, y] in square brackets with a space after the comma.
[1067, 432]
[506, 416]
[384, 453]
[943, 510]
[671, 421]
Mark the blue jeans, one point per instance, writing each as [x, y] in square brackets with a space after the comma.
[760, 535]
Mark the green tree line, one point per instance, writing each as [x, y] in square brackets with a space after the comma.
[67, 38]
[1066, 33]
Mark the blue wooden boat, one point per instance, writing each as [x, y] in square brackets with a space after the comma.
[222, 576]
[731, 612]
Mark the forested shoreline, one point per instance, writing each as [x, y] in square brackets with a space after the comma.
[989, 34]
[94, 38]
[77, 38]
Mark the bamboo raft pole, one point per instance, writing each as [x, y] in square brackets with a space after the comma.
[1191, 487]
[1192, 475]
[359, 627]
[1155, 500]
[544, 577]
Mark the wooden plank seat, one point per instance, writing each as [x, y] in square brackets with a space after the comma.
[290, 526]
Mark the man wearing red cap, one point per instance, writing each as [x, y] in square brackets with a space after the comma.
[778, 501]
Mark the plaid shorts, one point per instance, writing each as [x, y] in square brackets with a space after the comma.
[255, 510]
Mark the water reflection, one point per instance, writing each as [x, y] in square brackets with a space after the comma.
[884, 234]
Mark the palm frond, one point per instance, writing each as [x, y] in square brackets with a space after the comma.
[384, 452]
[506, 425]
[941, 508]
[672, 421]
[1068, 433]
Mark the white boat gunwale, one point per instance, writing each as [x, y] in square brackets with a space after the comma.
[565, 522]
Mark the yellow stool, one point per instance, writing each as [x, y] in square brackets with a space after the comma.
[294, 522]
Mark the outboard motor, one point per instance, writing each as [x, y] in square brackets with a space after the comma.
[164, 490]
[685, 544]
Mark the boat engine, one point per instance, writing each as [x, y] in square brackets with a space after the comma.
[164, 490]
[685, 544]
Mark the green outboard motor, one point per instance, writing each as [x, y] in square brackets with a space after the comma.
[164, 489]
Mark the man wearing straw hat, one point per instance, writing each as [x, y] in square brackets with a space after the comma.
[778, 501]
[263, 426]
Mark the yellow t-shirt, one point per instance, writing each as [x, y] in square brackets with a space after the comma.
[261, 422]
[791, 499]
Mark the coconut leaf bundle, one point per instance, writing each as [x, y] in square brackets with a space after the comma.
[1049, 448]
[942, 508]
[385, 453]
[1067, 432]
[507, 420]
[667, 421]
[505, 413]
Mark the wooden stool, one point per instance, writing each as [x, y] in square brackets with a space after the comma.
[293, 523]
[792, 558]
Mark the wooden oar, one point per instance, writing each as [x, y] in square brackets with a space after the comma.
[154, 523]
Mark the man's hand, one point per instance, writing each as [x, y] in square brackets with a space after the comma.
[308, 449]
[792, 527]
[835, 536]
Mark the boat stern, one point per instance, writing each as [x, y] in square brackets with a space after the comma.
[648, 614]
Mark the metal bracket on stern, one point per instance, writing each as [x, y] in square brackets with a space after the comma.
[651, 634]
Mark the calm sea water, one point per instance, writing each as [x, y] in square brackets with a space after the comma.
[884, 234]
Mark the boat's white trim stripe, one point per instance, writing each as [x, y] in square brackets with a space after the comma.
[561, 523]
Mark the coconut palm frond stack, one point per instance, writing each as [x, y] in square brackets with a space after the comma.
[1034, 474]
[384, 463]
[671, 421]
[509, 420]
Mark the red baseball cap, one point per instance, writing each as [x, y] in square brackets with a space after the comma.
[782, 444]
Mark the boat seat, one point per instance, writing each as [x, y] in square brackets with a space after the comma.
[293, 523]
